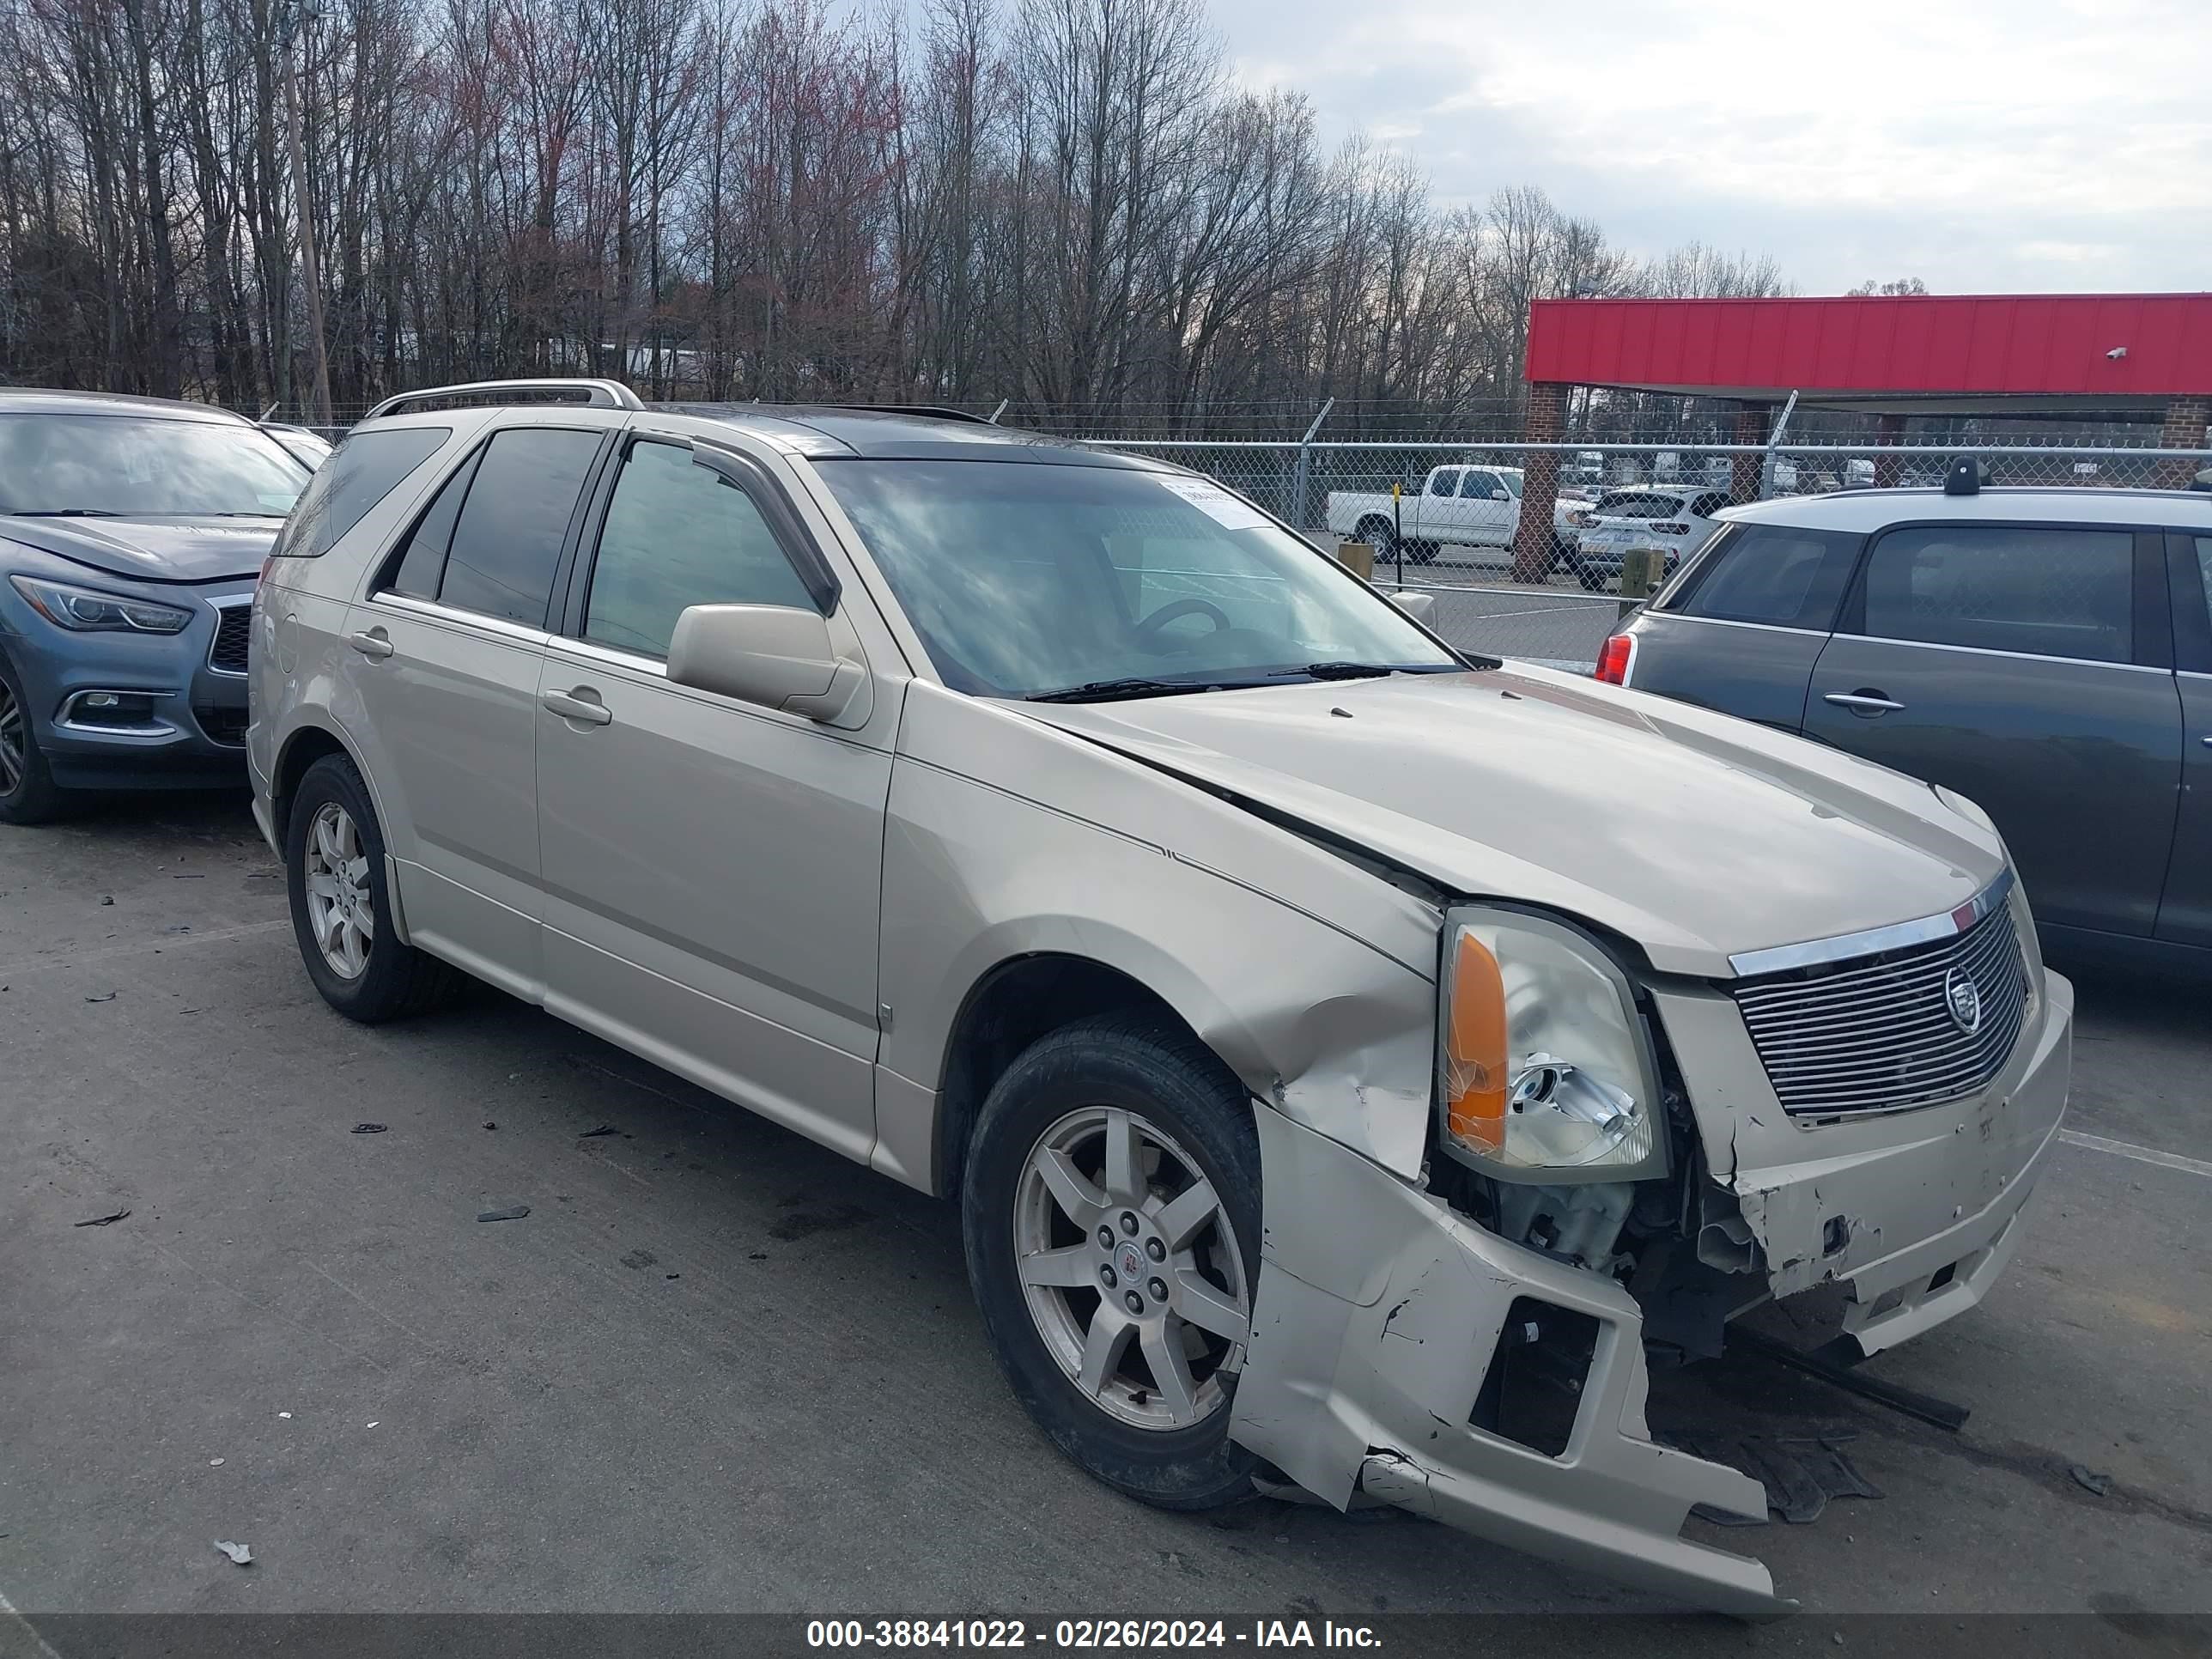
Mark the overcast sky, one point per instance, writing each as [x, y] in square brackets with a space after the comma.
[1982, 145]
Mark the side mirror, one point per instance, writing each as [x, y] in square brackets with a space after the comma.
[1501, 494]
[777, 655]
[1419, 606]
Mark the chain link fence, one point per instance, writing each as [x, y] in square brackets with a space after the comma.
[1453, 527]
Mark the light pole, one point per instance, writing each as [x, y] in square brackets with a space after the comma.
[289, 19]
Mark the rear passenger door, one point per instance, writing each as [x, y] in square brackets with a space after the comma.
[443, 660]
[2029, 667]
[1741, 633]
[2184, 914]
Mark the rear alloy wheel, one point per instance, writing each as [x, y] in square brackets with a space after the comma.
[334, 866]
[1111, 1214]
[27, 791]
[341, 913]
[1384, 540]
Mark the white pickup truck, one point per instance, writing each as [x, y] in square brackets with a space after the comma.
[1464, 505]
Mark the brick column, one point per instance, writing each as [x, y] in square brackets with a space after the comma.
[1888, 468]
[1743, 469]
[2186, 419]
[1539, 481]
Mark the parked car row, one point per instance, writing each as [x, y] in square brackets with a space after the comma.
[1051, 829]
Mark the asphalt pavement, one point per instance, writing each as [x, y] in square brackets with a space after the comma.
[716, 1369]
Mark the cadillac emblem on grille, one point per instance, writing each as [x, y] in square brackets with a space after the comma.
[1909, 1026]
[1964, 998]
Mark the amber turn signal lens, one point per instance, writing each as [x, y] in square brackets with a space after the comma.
[1475, 1049]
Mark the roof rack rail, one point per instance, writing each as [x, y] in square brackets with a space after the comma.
[932, 410]
[597, 394]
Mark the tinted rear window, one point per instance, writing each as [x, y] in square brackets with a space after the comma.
[362, 472]
[1633, 504]
[2049, 593]
[508, 540]
[1771, 574]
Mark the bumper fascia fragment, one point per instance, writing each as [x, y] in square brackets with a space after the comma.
[1372, 1336]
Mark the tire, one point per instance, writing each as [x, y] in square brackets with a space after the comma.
[331, 812]
[28, 793]
[1424, 552]
[1384, 539]
[1168, 1446]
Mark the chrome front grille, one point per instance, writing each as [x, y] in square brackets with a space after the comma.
[1877, 1033]
[227, 655]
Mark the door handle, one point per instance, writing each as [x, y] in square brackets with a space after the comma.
[372, 644]
[580, 704]
[1862, 702]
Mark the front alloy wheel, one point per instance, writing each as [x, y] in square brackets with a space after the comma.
[27, 793]
[1111, 1206]
[1129, 1270]
[341, 913]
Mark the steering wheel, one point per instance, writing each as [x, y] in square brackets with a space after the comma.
[1150, 627]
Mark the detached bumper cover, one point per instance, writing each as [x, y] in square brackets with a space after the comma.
[1372, 1334]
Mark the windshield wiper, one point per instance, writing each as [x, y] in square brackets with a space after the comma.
[1341, 670]
[64, 513]
[1135, 686]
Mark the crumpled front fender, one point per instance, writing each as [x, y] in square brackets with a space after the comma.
[1373, 1332]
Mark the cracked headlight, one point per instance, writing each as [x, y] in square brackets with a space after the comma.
[1545, 1071]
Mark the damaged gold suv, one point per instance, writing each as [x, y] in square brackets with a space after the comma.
[1309, 1021]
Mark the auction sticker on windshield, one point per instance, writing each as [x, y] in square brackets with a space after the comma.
[1216, 503]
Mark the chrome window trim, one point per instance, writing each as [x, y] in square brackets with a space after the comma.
[2012, 656]
[431, 610]
[1842, 947]
[1770, 628]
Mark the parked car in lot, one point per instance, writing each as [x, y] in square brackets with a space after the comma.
[308, 446]
[1474, 508]
[1050, 828]
[130, 531]
[2047, 653]
[1676, 519]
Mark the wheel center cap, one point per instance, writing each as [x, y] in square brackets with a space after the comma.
[1129, 1262]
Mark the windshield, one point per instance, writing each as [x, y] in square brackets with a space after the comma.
[116, 466]
[1025, 578]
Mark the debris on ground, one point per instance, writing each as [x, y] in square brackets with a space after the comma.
[108, 898]
[215, 1463]
[513, 1212]
[102, 1220]
[2090, 1481]
[756, 1255]
[603, 1129]
[367, 1129]
[239, 1555]
[1800, 1472]
[105, 996]
[492, 1125]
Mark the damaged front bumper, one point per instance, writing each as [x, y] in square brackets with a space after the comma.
[1372, 1335]
[1374, 1330]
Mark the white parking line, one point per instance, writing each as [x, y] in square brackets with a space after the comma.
[167, 942]
[2195, 1166]
[9, 1618]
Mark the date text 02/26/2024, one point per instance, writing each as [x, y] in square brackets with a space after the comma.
[1085, 1635]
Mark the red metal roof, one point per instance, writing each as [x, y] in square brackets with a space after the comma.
[2016, 344]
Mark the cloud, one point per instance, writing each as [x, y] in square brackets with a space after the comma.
[1981, 144]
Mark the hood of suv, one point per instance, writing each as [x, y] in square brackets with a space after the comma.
[1696, 835]
[152, 549]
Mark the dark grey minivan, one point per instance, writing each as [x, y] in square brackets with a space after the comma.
[2046, 653]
